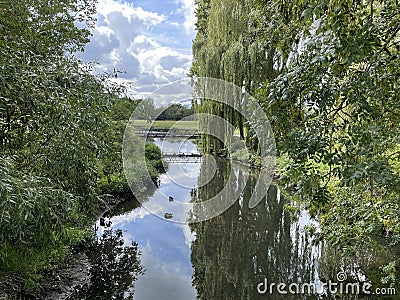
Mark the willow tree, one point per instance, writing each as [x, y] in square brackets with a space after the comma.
[243, 42]
[219, 53]
[326, 73]
[343, 141]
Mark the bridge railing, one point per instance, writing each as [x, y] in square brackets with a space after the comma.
[168, 133]
[181, 154]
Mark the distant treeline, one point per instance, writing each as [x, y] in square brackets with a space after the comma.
[175, 111]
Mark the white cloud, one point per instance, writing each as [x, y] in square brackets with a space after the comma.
[130, 12]
[164, 278]
[137, 41]
[142, 43]
[164, 57]
[188, 10]
[102, 43]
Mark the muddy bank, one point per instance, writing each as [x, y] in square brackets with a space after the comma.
[59, 284]
[62, 282]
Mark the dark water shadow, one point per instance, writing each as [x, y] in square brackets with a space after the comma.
[114, 268]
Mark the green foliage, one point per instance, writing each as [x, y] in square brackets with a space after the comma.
[28, 206]
[54, 133]
[146, 111]
[342, 89]
[114, 184]
[368, 216]
[326, 74]
[122, 109]
[175, 112]
[49, 101]
[152, 152]
[154, 161]
[359, 225]
[241, 155]
[110, 171]
[112, 178]
[389, 274]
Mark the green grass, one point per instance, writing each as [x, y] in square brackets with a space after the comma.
[186, 125]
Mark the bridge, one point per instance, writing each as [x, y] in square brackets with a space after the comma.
[173, 133]
[182, 157]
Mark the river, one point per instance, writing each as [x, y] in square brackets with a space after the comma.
[241, 254]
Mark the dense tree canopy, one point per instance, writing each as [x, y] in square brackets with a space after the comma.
[327, 75]
[58, 134]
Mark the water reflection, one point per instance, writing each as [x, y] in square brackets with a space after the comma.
[225, 257]
[237, 250]
[114, 268]
[165, 248]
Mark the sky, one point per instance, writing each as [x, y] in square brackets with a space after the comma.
[149, 40]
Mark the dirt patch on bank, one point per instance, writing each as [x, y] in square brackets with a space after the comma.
[66, 280]
[59, 284]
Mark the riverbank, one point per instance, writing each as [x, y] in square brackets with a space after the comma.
[64, 279]
[59, 283]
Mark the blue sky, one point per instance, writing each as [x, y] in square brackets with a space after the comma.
[150, 40]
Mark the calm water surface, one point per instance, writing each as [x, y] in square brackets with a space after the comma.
[226, 257]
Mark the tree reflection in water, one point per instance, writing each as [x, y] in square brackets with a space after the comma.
[114, 268]
[235, 251]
